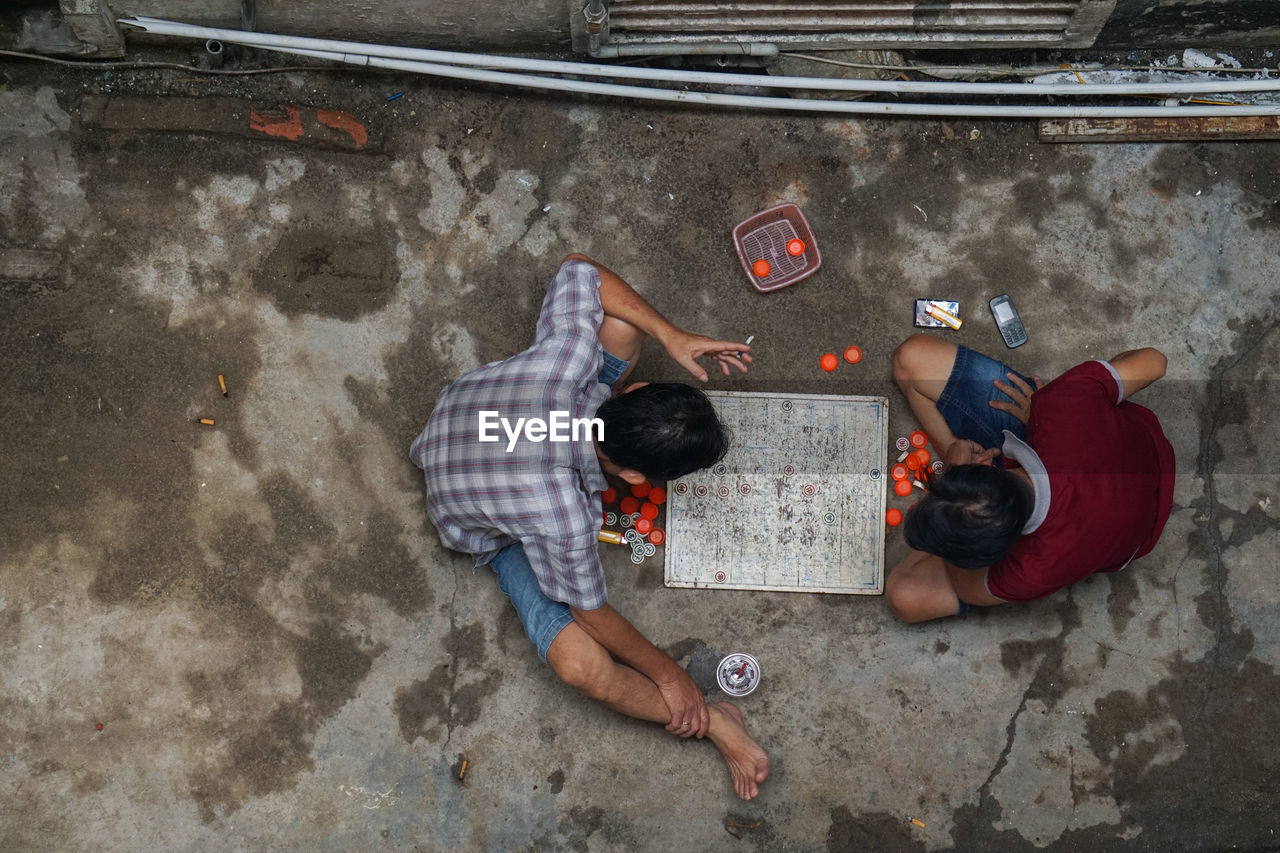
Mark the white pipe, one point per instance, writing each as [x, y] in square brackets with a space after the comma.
[268, 40]
[534, 81]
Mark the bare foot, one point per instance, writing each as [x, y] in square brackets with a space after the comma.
[748, 763]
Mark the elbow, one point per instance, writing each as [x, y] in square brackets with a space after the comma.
[1159, 363]
[575, 256]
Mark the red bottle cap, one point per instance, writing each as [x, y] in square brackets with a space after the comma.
[658, 495]
[919, 439]
[649, 511]
[657, 536]
[609, 495]
[761, 268]
[899, 472]
[902, 488]
[829, 362]
[643, 525]
[641, 489]
[795, 247]
[629, 505]
[853, 354]
[893, 517]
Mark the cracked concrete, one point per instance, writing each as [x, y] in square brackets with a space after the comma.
[282, 655]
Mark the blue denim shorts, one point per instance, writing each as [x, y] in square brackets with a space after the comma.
[612, 369]
[964, 403]
[542, 618]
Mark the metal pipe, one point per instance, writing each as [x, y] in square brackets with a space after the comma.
[213, 53]
[610, 51]
[648, 93]
[597, 17]
[454, 58]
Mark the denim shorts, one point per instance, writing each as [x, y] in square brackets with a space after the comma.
[542, 618]
[964, 403]
[612, 369]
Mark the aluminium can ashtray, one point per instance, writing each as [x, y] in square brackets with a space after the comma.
[765, 235]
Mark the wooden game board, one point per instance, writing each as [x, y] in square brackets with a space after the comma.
[797, 504]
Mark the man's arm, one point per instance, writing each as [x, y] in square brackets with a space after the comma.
[1138, 368]
[620, 300]
[610, 629]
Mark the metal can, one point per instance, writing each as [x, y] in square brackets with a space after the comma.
[738, 674]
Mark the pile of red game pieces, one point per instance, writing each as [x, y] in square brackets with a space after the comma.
[637, 515]
[915, 469]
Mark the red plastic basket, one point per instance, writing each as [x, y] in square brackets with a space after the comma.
[765, 235]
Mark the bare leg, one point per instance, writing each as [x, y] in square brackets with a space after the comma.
[623, 340]
[921, 366]
[586, 665]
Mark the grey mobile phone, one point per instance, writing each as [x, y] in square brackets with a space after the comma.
[1008, 321]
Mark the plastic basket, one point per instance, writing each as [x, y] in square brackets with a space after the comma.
[765, 236]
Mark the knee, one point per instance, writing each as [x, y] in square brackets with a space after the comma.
[585, 669]
[906, 601]
[908, 357]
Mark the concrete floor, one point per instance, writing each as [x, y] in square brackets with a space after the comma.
[281, 655]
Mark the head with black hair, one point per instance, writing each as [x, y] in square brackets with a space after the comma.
[971, 516]
[662, 430]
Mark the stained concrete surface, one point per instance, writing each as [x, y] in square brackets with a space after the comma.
[282, 656]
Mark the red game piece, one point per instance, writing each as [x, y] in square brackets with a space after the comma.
[853, 354]
[629, 505]
[609, 495]
[658, 495]
[919, 439]
[902, 488]
[795, 247]
[829, 362]
[641, 489]
[649, 511]
[643, 525]
[657, 536]
[899, 472]
[761, 268]
[893, 517]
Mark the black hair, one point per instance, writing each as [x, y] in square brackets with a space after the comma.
[971, 515]
[664, 430]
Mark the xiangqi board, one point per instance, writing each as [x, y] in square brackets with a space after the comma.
[796, 505]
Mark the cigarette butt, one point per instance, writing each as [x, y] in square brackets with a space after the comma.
[222, 383]
[917, 822]
[944, 315]
[207, 421]
[611, 536]
[462, 771]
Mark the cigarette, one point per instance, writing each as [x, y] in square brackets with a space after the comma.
[462, 771]
[748, 341]
[610, 536]
[918, 822]
[206, 421]
[222, 383]
[944, 315]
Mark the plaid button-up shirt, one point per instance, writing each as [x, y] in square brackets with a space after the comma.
[543, 494]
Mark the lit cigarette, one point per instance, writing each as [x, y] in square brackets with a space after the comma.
[610, 536]
[207, 421]
[944, 315]
[222, 383]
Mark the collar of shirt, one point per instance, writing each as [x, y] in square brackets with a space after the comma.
[1019, 451]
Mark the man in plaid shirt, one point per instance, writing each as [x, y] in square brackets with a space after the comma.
[530, 508]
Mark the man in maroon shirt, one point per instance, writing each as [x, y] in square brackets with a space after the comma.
[1086, 483]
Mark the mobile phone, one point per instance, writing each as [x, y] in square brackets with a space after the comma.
[925, 320]
[1008, 321]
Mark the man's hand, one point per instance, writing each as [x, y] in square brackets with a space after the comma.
[686, 348]
[689, 715]
[965, 452]
[1020, 408]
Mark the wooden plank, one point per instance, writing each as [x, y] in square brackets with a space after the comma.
[298, 124]
[30, 265]
[1175, 129]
